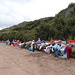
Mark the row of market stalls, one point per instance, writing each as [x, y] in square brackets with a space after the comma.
[60, 48]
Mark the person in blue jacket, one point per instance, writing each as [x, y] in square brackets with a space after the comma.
[56, 49]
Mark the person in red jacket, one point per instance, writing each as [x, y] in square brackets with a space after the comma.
[68, 51]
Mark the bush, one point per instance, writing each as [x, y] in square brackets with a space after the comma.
[27, 47]
[73, 54]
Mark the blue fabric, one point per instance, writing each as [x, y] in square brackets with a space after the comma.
[56, 52]
[63, 56]
[74, 55]
[40, 42]
[65, 50]
[57, 47]
[30, 49]
[59, 53]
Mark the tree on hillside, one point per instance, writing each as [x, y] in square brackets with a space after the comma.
[43, 32]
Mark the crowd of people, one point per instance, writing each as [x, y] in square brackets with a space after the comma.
[60, 48]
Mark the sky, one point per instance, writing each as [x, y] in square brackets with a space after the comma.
[13, 12]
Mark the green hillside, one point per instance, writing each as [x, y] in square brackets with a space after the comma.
[62, 26]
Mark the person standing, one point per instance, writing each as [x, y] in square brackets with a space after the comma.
[33, 45]
[68, 51]
[56, 49]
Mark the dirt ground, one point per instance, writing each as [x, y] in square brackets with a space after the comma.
[17, 61]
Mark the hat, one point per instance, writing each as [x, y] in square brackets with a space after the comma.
[33, 40]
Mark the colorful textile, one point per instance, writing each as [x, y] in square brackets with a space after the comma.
[63, 56]
[47, 50]
[40, 42]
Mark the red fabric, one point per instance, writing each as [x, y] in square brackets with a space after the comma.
[56, 40]
[71, 41]
[51, 40]
[59, 42]
[42, 49]
[48, 45]
[68, 50]
[15, 44]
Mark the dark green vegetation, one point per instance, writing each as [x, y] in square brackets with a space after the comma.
[62, 26]
[73, 52]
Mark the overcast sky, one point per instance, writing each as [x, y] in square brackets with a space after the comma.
[13, 12]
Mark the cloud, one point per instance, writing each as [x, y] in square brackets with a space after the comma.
[15, 11]
[11, 12]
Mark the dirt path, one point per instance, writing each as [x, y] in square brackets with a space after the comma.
[17, 61]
